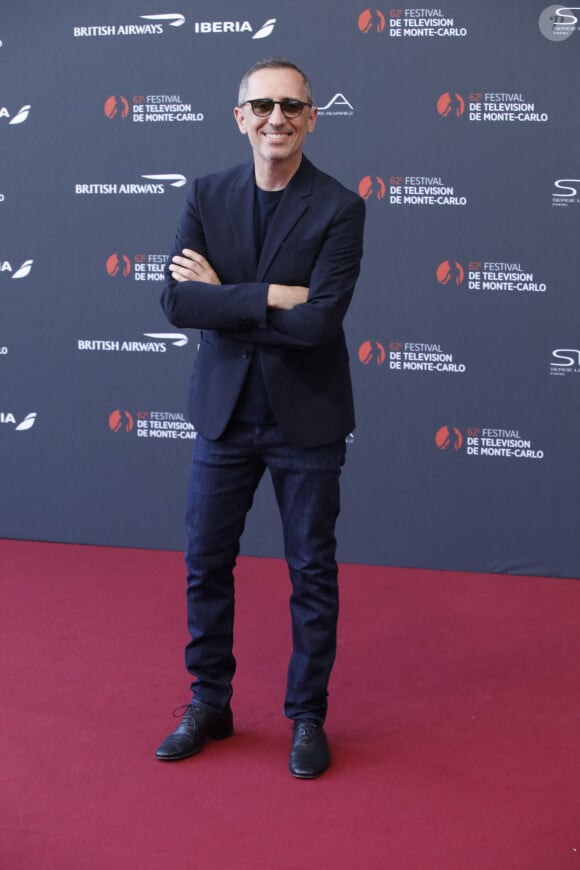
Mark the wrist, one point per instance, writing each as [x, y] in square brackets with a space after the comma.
[273, 297]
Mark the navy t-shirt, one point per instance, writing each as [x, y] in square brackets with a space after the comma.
[253, 405]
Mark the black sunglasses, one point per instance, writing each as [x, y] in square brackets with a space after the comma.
[263, 107]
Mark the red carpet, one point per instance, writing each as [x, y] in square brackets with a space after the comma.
[454, 722]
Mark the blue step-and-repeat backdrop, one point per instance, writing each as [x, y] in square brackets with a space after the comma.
[458, 123]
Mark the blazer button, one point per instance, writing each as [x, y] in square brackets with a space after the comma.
[245, 354]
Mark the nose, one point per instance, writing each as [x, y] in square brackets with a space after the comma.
[277, 117]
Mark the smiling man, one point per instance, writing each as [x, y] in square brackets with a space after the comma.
[264, 263]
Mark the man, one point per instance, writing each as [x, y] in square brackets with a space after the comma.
[264, 264]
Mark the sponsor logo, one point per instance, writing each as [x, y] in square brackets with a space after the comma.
[411, 23]
[173, 19]
[19, 118]
[151, 25]
[565, 361]
[337, 106]
[423, 190]
[420, 356]
[116, 107]
[121, 421]
[7, 418]
[155, 25]
[117, 265]
[423, 23]
[21, 272]
[486, 442]
[450, 272]
[558, 22]
[152, 108]
[154, 185]
[489, 276]
[203, 28]
[449, 438]
[142, 267]
[159, 425]
[158, 343]
[372, 352]
[3, 350]
[450, 103]
[566, 192]
[372, 187]
[488, 107]
[371, 20]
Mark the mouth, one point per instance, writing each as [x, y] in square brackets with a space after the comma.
[276, 137]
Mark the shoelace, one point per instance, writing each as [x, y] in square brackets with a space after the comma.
[185, 711]
[307, 727]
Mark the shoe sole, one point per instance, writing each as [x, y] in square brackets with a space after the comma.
[195, 751]
[178, 757]
[308, 775]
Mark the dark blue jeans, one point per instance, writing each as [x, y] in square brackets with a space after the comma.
[224, 477]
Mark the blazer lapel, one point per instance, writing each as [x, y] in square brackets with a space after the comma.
[240, 214]
[294, 203]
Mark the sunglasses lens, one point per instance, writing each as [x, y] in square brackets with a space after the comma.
[291, 108]
[262, 108]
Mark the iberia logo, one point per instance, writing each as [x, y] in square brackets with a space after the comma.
[116, 107]
[371, 351]
[371, 19]
[28, 422]
[118, 265]
[19, 118]
[451, 103]
[449, 438]
[22, 272]
[450, 271]
[372, 186]
[121, 421]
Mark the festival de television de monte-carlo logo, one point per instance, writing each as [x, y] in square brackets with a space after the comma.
[482, 442]
[159, 425]
[413, 23]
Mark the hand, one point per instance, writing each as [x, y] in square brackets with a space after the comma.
[191, 266]
[286, 296]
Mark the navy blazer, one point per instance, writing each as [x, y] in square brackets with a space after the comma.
[315, 240]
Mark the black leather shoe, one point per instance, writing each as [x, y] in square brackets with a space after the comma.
[310, 755]
[197, 725]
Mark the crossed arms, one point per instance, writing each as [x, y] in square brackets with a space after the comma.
[192, 266]
[308, 313]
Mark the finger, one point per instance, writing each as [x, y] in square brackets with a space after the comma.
[180, 274]
[183, 261]
[193, 255]
[186, 266]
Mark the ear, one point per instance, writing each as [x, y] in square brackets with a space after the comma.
[240, 119]
[312, 119]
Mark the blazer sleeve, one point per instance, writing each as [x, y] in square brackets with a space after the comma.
[196, 305]
[240, 309]
[318, 321]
